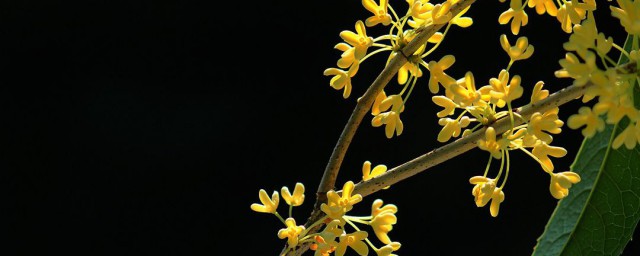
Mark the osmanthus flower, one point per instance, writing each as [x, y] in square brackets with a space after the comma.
[543, 6]
[587, 118]
[383, 219]
[573, 12]
[516, 15]
[269, 205]
[367, 173]
[348, 57]
[548, 122]
[436, 70]
[585, 36]
[390, 118]
[440, 13]
[542, 151]
[629, 136]
[338, 205]
[561, 182]
[538, 93]
[616, 107]
[464, 91]
[380, 13]
[463, 22]
[387, 249]
[353, 240]
[298, 195]
[496, 198]
[448, 105]
[628, 14]
[292, 232]
[359, 40]
[420, 11]
[412, 66]
[375, 109]
[503, 93]
[582, 73]
[452, 127]
[377, 208]
[483, 189]
[489, 143]
[522, 50]
[341, 79]
[323, 247]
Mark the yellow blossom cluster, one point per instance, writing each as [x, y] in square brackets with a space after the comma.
[334, 238]
[587, 63]
[357, 46]
[567, 12]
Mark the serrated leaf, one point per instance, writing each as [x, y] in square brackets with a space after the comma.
[601, 212]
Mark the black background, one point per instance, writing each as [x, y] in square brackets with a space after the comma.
[148, 127]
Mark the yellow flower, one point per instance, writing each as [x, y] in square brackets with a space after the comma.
[581, 72]
[451, 127]
[392, 121]
[629, 136]
[440, 13]
[561, 182]
[490, 144]
[542, 151]
[549, 122]
[483, 189]
[497, 197]
[501, 92]
[383, 220]
[333, 229]
[516, 12]
[353, 240]
[391, 118]
[337, 205]
[375, 109]
[520, 51]
[465, 90]
[340, 79]
[387, 249]
[436, 70]
[268, 205]
[543, 6]
[412, 66]
[380, 14]
[588, 118]
[322, 247]
[298, 195]
[462, 22]
[420, 12]
[291, 232]
[376, 209]
[367, 173]
[446, 103]
[628, 14]
[348, 58]
[360, 40]
[538, 94]
[572, 12]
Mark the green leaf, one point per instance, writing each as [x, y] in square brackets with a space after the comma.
[601, 212]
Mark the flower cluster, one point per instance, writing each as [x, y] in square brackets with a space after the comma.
[334, 238]
[358, 46]
[587, 63]
[566, 12]
[483, 106]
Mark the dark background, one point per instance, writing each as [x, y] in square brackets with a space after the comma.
[147, 127]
